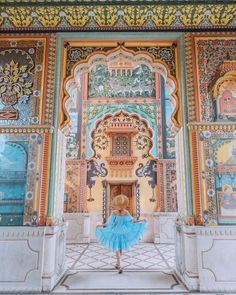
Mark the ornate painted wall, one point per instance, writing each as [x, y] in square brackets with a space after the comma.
[125, 90]
[119, 15]
[27, 68]
[211, 90]
[26, 88]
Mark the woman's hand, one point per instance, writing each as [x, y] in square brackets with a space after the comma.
[140, 220]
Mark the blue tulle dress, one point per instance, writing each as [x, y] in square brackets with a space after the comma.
[120, 232]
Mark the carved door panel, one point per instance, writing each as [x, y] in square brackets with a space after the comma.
[126, 189]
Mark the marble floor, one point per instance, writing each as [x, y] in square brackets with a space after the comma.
[147, 270]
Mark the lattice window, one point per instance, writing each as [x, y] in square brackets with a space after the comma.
[121, 145]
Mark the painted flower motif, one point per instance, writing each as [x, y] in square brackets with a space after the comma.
[120, 12]
[39, 141]
[29, 195]
[31, 51]
[91, 13]
[31, 165]
[40, 43]
[207, 12]
[37, 176]
[25, 75]
[211, 192]
[38, 68]
[13, 43]
[209, 163]
[4, 14]
[178, 13]
[207, 134]
[37, 93]
[62, 13]
[149, 13]
[33, 136]
[35, 120]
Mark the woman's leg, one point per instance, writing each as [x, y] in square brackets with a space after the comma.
[118, 266]
[118, 259]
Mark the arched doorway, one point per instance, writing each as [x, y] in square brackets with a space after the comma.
[122, 107]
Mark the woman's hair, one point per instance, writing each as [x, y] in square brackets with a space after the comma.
[120, 202]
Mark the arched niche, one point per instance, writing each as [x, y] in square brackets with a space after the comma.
[224, 92]
[127, 60]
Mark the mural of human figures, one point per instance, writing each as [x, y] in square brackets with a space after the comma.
[226, 181]
[224, 92]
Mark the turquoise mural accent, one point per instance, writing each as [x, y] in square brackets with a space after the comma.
[99, 111]
[225, 178]
[19, 176]
[139, 82]
[13, 172]
[168, 134]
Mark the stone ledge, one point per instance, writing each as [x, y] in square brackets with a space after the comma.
[21, 232]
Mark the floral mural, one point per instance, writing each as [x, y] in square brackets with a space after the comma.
[21, 82]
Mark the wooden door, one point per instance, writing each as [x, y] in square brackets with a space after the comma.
[126, 189]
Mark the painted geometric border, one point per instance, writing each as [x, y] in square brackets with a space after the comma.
[118, 17]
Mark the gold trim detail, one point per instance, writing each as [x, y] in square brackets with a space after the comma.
[102, 17]
[212, 126]
[26, 129]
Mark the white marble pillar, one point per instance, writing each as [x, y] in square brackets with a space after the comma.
[186, 256]
[32, 259]
[205, 257]
[164, 227]
[78, 227]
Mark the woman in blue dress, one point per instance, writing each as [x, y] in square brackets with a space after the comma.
[121, 231]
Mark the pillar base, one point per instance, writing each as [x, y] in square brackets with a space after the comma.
[164, 227]
[78, 227]
[32, 258]
[205, 257]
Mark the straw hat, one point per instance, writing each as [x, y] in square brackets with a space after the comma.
[120, 202]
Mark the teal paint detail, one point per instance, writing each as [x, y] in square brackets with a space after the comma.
[51, 195]
[167, 133]
[97, 112]
[186, 146]
[13, 173]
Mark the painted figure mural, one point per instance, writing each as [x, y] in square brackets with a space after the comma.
[225, 158]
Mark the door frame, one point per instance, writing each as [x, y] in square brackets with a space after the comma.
[106, 203]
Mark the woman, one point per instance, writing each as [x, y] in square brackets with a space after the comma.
[121, 231]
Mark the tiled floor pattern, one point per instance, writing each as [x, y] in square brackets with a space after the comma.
[140, 257]
[147, 270]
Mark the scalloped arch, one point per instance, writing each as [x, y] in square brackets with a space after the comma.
[103, 58]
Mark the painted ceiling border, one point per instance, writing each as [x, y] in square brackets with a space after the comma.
[142, 17]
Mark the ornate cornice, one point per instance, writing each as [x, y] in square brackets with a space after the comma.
[26, 129]
[17, 233]
[212, 126]
[120, 2]
[80, 17]
[216, 231]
